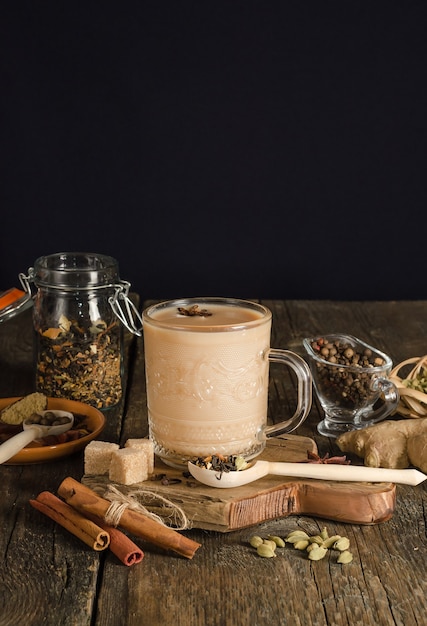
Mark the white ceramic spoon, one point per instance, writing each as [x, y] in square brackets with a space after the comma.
[320, 471]
[31, 431]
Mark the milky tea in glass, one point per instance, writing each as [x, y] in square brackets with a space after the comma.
[207, 368]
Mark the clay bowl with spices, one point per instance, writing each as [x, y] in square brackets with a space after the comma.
[88, 424]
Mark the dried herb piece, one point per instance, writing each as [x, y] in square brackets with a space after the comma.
[193, 311]
[171, 481]
[155, 477]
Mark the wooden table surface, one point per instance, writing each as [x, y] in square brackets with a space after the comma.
[48, 577]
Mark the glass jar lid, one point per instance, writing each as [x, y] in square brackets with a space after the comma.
[71, 270]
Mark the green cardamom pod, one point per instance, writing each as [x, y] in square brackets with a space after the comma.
[316, 539]
[328, 543]
[277, 540]
[296, 536]
[342, 544]
[301, 544]
[312, 546]
[256, 541]
[345, 557]
[324, 534]
[265, 551]
[317, 554]
[269, 542]
[240, 463]
[299, 531]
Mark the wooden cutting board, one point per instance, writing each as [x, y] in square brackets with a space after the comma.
[271, 497]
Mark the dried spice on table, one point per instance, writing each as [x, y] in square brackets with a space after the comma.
[313, 457]
[81, 362]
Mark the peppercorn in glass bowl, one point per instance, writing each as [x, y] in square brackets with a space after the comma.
[351, 380]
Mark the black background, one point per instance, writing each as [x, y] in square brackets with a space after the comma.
[219, 148]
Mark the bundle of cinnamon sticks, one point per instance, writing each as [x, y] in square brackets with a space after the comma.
[82, 511]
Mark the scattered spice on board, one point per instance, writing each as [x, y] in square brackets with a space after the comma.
[80, 362]
[312, 457]
[165, 480]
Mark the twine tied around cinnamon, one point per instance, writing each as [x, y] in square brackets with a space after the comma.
[88, 501]
[170, 514]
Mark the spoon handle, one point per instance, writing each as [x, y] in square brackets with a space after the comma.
[13, 445]
[358, 473]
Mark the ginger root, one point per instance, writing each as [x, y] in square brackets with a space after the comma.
[417, 451]
[392, 444]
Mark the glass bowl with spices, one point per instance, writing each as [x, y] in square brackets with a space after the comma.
[351, 380]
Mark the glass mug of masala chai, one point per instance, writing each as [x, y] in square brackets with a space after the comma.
[207, 371]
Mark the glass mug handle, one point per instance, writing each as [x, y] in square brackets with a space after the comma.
[391, 398]
[304, 378]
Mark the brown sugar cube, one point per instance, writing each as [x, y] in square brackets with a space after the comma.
[97, 457]
[128, 466]
[145, 445]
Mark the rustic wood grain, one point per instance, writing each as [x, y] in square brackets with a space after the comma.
[49, 578]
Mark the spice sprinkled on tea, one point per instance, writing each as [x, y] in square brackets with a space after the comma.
[194, 310]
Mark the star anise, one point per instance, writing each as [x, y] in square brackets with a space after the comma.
[194, 310]
[312, 457]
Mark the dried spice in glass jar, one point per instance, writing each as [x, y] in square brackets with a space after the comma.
[78, 326]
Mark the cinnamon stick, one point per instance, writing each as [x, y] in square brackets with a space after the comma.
[72, 520]
[120, 544]
[87, 501]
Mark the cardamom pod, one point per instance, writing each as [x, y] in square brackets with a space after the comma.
[299, 531]
[277, 540]
[345, 557]
[342, 544]
[329, 542]
[301, 544]
[296, 536]
[312, 546]
[324, 533]
[265, 551]
[316, 539]
[269, 542]
[317, 553]
[256, 541]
